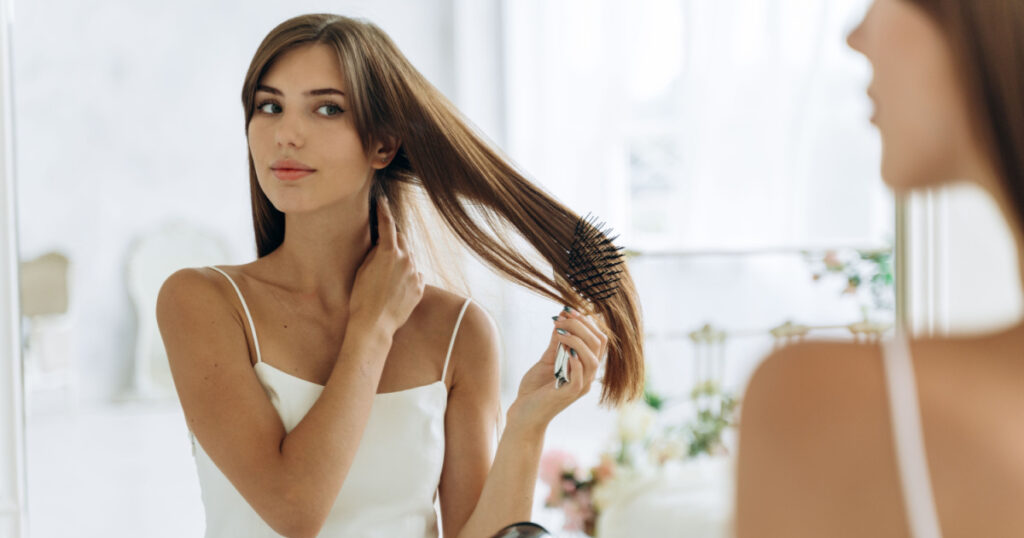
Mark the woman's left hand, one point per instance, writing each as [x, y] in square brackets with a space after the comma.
[539, 400]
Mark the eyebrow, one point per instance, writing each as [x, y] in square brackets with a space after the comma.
[320, 91]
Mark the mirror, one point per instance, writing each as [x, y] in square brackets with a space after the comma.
[727, 142]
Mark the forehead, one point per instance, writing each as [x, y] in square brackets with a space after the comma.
[305, 68]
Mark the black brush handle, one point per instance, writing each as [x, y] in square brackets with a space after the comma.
[526, 529]
[375, 192]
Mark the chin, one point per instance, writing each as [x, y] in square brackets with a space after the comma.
[904, 177]
[296, 202]
[292, 204]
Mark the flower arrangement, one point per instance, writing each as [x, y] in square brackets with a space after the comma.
[871, 269]
[640, 448]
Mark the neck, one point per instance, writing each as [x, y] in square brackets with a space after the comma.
[323, 249]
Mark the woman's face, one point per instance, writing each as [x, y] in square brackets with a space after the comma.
[303, 141]
[921, 108]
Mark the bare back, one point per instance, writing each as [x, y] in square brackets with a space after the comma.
[817, 454]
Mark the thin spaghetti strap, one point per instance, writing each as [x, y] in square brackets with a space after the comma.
[245, 307]
[451, 344]
[911, 458]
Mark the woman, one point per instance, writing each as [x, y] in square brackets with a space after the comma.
[330, 391]
[918, 439]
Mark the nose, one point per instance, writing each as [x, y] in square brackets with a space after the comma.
[855, 39]
[289, 131]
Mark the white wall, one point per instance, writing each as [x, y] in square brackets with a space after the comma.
[964, 271]
[130, 116]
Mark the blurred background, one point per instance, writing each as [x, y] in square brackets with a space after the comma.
[727, 142]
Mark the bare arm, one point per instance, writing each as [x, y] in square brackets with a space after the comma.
[291, 479]
[471, 418]
[507, 495]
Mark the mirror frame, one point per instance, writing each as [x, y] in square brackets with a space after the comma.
[13, 483]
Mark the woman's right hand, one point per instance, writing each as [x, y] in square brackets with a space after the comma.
[387, 285]
[540, 399]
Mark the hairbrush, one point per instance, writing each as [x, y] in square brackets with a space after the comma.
[593, 270]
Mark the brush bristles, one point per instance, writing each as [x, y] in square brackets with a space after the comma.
[594, 260]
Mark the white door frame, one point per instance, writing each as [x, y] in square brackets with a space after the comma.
[924, 278]
[13, 510]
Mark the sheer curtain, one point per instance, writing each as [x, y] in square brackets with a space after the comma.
[737, 124]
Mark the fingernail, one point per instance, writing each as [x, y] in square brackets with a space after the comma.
[555, 318]
[561, 332]
[572, 352]
[566, 309]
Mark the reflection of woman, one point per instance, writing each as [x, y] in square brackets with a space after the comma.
[330, 390]
[853, 440]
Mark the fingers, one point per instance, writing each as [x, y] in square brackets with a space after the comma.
[584, 355]
[588, 321]
[584, 328]
[390, 237]
[581, 376]
[402, 243]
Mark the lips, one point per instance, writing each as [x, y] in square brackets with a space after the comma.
[290, 169]
[874, 103]
[285, 174]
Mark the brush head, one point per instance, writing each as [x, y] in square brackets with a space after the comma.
[594, 264]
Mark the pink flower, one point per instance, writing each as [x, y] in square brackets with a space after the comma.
[605, 469]
[832, 260]
[553, 464]
[575, 515]
[579, 513]
[569, 485]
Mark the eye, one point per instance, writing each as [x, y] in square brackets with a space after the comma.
[268, 107]
[329, 109]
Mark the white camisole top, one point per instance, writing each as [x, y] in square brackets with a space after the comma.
[911, 457]
[392, 485]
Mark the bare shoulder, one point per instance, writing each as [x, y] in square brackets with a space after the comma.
[439, 310]
[808, 371]
[818, 392]
[190, 292]
[475, 347]
[815, 446]
[816, 454]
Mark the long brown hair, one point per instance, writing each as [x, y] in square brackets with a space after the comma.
[987, 37]
[485, 202]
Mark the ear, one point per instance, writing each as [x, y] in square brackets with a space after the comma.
[383, 152]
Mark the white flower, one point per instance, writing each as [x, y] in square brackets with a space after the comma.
[665, 449]
[635, 420]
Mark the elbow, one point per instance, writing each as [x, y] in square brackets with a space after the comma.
[299, 530]
[299, 516]
[298, 525]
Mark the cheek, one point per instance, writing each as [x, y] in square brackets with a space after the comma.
[256, 138]
[261, 151]
[916, 125]
[921, 111]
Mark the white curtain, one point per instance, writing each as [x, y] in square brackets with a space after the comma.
[696, 124]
